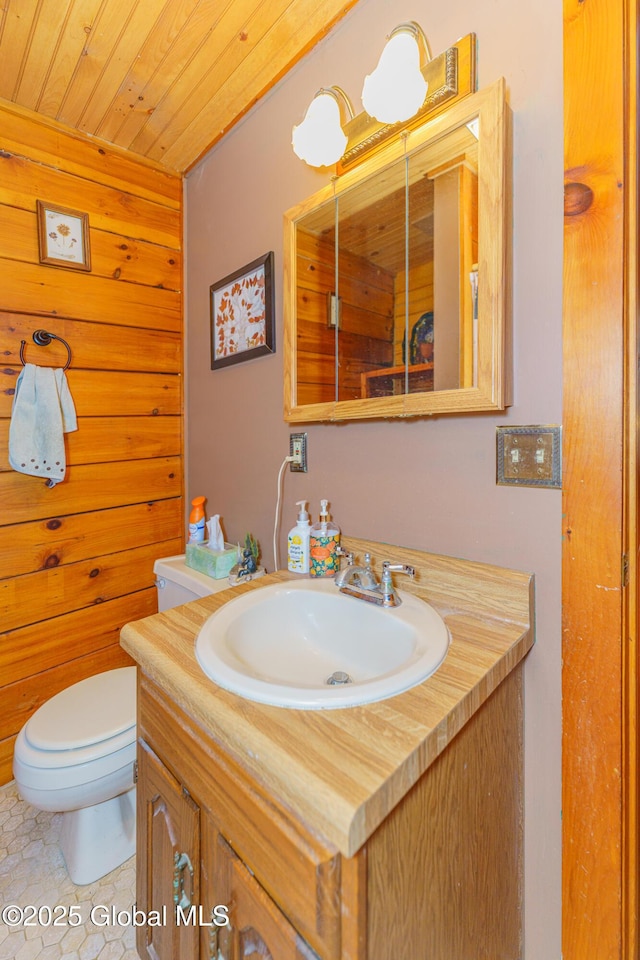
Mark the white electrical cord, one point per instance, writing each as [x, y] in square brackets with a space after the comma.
[278, 506]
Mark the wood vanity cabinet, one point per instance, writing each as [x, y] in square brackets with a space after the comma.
[187, 867]
[168, 862]
[439, 879]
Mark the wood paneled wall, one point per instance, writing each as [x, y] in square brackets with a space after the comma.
[600, 683]
[76, 560]
[366, 329]
[420, 300]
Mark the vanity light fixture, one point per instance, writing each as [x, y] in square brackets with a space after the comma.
[320, 140]
[396, 89]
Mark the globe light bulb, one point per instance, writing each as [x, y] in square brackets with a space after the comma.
[396, 89]
[320, 140]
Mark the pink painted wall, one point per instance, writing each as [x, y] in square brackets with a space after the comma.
[424, 483]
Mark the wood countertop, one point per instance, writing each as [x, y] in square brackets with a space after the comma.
[341, 771]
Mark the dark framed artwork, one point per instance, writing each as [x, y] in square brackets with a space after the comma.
[63, 237]
[242, 314]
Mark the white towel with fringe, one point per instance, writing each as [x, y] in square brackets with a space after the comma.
[43, 411]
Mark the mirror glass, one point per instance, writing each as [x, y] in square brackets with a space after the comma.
[396, 305]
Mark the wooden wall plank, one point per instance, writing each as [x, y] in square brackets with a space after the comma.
[121, 258]
[631, 622]
[152, 394]
[365, 339]
[36, 597]
[19, 700]
[319, 339]
[92, 487]
[6, 759]
[359, 319]
[53, 291]
[113, 438]
[94, 346]
[42, 544]
[420, 300]
[71, 635]
[593, 390]
[52, 144]
[120, 211]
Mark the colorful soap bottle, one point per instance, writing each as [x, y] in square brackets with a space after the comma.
[323, 545]
[298, 541]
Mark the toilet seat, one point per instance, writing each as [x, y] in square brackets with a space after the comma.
[106, 703]
[95, 746]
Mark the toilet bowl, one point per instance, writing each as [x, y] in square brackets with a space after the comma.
[76, 754]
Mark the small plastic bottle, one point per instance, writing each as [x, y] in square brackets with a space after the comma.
[298, 541]
[323, 545]
[196, 520]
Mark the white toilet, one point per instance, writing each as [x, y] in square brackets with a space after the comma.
[76, 753]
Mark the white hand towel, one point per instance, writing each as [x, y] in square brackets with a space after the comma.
[43, 411]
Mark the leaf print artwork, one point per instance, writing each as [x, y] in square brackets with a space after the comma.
[242, 313]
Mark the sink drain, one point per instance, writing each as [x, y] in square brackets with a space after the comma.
[339, 677]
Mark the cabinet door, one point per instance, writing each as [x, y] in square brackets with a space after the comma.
[168, 859]
[257, 929]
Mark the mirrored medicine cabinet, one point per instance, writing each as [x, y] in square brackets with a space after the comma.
[397, 276]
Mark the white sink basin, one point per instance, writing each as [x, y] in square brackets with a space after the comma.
[280, 645]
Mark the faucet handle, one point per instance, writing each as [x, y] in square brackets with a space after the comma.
[389, 596]
[343, 573]
[388, 568]
[367, 577]
[341, 552]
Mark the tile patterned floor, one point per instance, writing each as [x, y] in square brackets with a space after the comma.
[32, 874]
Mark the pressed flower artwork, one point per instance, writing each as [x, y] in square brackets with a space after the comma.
[242, 314]
[63, 237]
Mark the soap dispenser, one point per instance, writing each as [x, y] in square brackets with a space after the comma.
[298, 541]
[323, 545]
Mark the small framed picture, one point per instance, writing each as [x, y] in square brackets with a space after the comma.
[242, 314]
[63, 237]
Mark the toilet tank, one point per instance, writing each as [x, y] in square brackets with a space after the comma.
[177, 583]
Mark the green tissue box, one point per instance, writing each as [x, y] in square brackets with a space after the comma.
[213, 563]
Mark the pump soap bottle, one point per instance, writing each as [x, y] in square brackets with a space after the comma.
[298, 541]
[323, 545]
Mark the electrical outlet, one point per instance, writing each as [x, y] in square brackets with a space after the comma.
[298, 450]
[529, 456]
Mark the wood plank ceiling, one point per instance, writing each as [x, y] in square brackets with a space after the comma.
[164, 79]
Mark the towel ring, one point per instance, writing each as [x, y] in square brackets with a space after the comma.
[43, 338]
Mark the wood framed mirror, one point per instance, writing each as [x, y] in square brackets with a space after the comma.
[397, 276]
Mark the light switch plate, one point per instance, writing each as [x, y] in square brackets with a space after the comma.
[529, 456]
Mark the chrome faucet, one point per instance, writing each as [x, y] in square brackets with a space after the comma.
[361, 582]
[363, 577]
